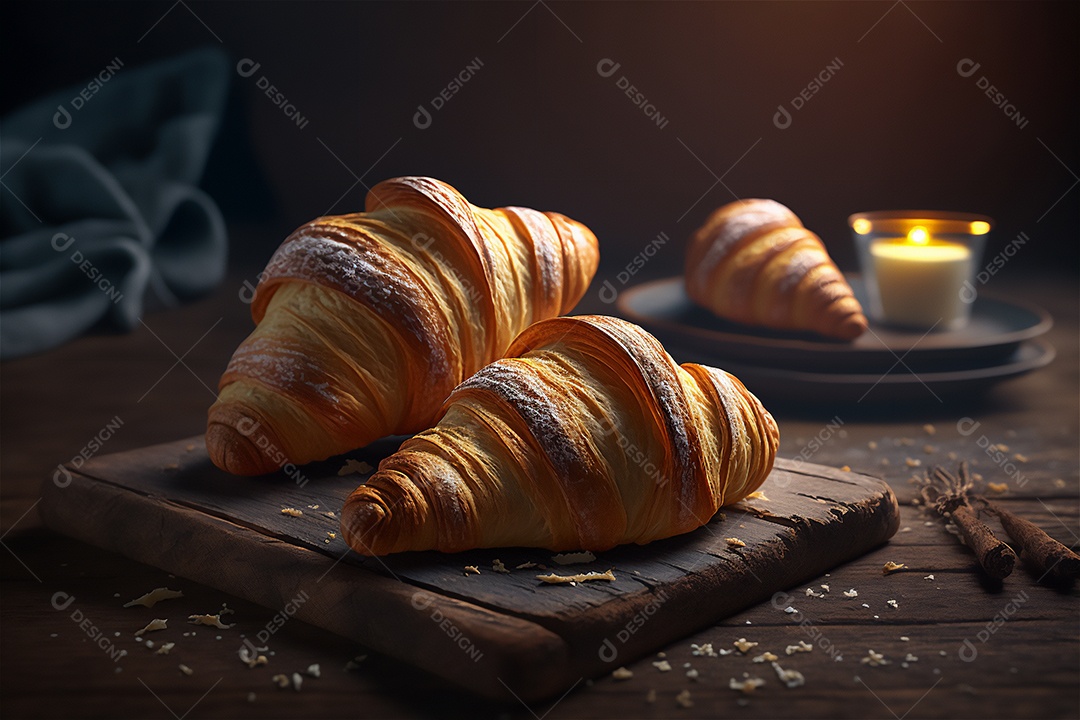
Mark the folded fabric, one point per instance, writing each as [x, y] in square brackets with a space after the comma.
[100, 204]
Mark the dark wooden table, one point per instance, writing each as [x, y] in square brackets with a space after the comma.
[982, 650]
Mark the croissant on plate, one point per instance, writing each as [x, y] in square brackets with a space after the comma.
[366, 322]
[587, 435]
[753, 262]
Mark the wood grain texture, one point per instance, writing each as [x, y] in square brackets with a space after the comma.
[495, 634]
[50, 405]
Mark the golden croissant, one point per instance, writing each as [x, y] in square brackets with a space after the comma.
[588, 435]
[366, 322]
[753, 262]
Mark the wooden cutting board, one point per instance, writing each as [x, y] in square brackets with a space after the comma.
[493, 633]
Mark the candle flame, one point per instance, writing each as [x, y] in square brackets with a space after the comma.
[861, 226]
[918, 235]
[980, 227]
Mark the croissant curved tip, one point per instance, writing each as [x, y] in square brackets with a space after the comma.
[851, 327]
[360, 520]
[234, 452]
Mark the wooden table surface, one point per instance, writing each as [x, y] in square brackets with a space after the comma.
[982, 650]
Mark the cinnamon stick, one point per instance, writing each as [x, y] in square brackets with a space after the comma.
[948, 495]
[1042, 552]
[995, 556]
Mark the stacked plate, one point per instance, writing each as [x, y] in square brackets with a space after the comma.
[884, 366]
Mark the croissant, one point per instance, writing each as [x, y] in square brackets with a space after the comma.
[753, 262]
[588, 435]
[366, 322]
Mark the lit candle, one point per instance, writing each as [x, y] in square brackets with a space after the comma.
[920, 280]
[916, 265]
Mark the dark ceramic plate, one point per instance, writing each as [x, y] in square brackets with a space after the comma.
[897, 387]
[991, 338]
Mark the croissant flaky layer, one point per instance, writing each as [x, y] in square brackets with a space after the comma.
[587, 436]
[753, 262]
[366, 322]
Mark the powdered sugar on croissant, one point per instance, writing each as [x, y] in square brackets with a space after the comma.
[366, 322]
[588, 435]
[753, 262]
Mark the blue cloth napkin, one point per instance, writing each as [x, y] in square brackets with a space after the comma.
[100, 204]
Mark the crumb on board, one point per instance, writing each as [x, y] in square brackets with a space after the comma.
[354, 467]
[810, 592]
[757, 495]
[281, 680]
[791, 678]
[910, 658]
[153, 625]
[872, 445]
[329, 514]
[471, 570]
[765, 657]
[997, 487]
[904, 638]
[314, 670]
[747, 684]
[553, 579]
[825, 587]
[846, 468]
[498, 566]
[329, 537]
[292, 512]
[189, 447]
[906, 528]
[743, 645]
[210, 620]
[874, 659]
[734, 542]
[165, 648]
[1002, 447]
[622, 673]
[912, 462]
[155, 596]
[692, 673]
[662, 665]
[186, 670]
[851, 593]
[703, 650]
[802, 647]
[251, 658]
[891, 567]
[683, 699]
[526, 566]
[929, 449]
[790, 610]
[312, 507]
[574, 558]
[929, 429]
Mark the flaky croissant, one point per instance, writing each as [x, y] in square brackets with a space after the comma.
[753, 262]
[366, 322]
[588, 435]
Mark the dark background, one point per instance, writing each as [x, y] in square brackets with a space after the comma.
[896, 127]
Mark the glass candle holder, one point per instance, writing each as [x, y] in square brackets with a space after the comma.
[919, 265]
